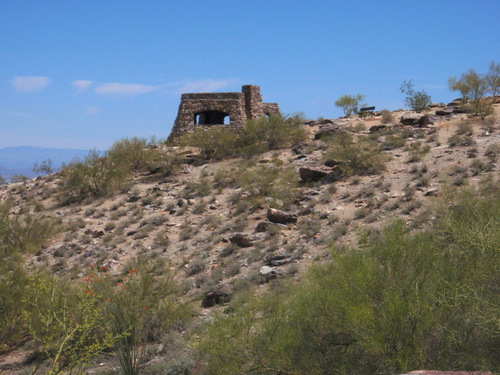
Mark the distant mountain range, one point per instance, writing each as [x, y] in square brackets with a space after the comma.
[20, 160]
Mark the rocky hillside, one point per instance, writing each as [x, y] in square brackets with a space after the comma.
[228, 224]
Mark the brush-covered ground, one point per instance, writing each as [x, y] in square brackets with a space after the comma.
[210, 223]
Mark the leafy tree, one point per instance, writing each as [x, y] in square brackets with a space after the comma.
[19, 178]
[45, 168]
[493, 79]
[473, 88]
[416, 100]
[2, 180]
[349, 103]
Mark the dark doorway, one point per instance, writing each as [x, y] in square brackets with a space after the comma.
[212, 118]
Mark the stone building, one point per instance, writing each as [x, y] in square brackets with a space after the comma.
[231, 109]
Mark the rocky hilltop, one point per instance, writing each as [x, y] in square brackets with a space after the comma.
[224, 225]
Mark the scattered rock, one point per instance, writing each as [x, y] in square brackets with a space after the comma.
[325, 175]
[279, 260]
[410, 118]
[263, 226]
[376, 128]
[299, 149]
[247, 239]
[266, 270]
[431, 192]
[313, 173]
[282, 217]
[328, 131]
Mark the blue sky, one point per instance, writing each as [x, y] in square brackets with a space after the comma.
[83, 74]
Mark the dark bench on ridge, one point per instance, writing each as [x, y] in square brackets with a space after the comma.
[365, 111]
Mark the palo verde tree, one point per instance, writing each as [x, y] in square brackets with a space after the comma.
[416, 100]
[493, 80]
[473, 87]
[349, 103]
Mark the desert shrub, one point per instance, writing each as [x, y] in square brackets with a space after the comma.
[45, 168]
[460, 140]
[493, 151]
[214, 143]
[387, 117]
[464, 128]
[358, 156]
[13, 283]
[271, 186]
[257, 136]
[416, 100]
[94, 177]
[270, 133]
[417, 151]
[24, 231]
[65, 322]
[129, 152]
[137, 310]
[381, 308]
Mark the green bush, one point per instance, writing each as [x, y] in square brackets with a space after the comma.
[358, 156]
[387, 117]
[66, 323]
[416, 100]
[403, 300]
[137, 309]
[257, 136]
[95, 177]
[349, 103]
[24, 231]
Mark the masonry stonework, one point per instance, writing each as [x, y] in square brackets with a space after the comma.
[230, 109]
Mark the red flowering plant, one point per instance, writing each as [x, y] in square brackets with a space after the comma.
[65, 322]
[137, 305]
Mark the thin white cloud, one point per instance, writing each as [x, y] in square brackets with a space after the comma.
[92, 111]
[28, 84]
[206, 85]
[124, 89]
[81, 85]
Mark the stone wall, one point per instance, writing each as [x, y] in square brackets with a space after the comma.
[210, 109]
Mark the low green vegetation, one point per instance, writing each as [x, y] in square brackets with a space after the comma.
[359, 155]
[349, 103]
[416, 100]
[474, 86]
[402, 300]
[257, 136]
[102, 175]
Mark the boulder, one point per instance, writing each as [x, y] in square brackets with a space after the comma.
[247, 239]
[427, 120]
[299, 149]
[313, 173]
[281, 217]
[332, 162]
[444, 112]
[323, 174]
[410, 118]
[376, 128]
[327, 131]
[221, 295]
[279, 260]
